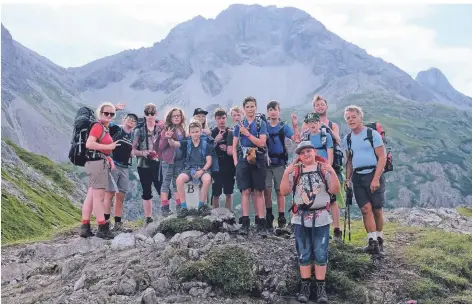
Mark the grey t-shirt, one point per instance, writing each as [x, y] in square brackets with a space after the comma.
[310, 184]
[196, 159]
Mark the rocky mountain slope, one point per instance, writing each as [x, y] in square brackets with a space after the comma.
[195, 260]
[39, 100]
[442, 89]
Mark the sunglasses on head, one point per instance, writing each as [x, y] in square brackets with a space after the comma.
[150, 113]
[110, 114]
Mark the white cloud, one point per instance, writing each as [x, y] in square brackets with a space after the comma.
[384, 30]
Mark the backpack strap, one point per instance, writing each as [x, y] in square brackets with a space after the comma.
[330, 125]
[204, 146]
[370, 137]
[323, 138]
[323, 178]
[349, 143]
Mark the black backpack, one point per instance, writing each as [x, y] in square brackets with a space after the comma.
[122, 153]
[83, 122]
[284, 155]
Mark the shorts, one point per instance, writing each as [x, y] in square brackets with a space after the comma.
[222, 182]
[274, 176]
[251, 176]
[187, 172]
[97, 172]
[362, 193]
[312, 249]
[118, 179]
[169, 174]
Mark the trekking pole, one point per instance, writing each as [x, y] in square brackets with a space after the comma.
[345, 219]
[349, 203]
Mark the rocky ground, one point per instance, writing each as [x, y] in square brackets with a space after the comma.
[194, 260]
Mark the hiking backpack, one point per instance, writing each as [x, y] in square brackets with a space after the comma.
[259, 118]
[338, 156]
[122, 153]
[83, 122]
[204, 139]
[370, 127]
[284, 155]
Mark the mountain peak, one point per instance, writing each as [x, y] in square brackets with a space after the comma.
[432, 77]
[6, 36]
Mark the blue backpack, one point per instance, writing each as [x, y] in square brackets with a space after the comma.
[205, 140]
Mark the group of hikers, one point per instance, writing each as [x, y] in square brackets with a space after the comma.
[253, 152]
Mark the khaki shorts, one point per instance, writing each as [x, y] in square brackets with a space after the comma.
[97, 172]
[118, 179]
[274, 176]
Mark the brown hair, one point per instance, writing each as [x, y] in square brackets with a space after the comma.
[194, 124]
[318, 97]
[169, 124]
[249, 99]
[150, 108]
[273, 104]
[219, 112]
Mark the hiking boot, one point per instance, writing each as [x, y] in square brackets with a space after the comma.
[104, 231]
[182, 213]
[282, 221]
[149, 220]
[321, 296]
[381, 245]
[241, 220]
[270, 221]
[338, 234]
[244, 230]
[165, 210]
[256, 220]
[373, 247]
[204, 210]
[86, 231]
[118, 227]
[304, 294]
[261, 227]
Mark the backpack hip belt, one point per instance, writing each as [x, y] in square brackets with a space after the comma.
[360, 169]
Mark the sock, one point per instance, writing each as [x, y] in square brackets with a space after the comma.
[320, 281]
[306, 280]
[281, 214]
[102, 222]
[379, 234]
[165, 203]
[117, 219]
[269, 210]
[183, 205]
[178, 202]
[107, 216]
[372, 235]
[85, 222]
[200, 204]
[337, 229]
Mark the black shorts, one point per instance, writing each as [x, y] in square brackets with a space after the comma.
[251, 176]
[362, 193]
[222, 182]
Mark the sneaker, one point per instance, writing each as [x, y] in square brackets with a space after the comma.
[304, 294]
[182, 213]
[165, 210]
[338, 234]
[86, 231]
[104, 231]
[204, 210]
[244, 230]
[373, 247]
[282, 221]
[321, 296]
[381, 245]
[261, 228]
[270, 221]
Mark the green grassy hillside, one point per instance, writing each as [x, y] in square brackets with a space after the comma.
[35, 197]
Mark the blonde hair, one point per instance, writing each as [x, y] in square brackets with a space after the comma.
[235, 108]
[101, 107]
[354, 108]
[194, 123]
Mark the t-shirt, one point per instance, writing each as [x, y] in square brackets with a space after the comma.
[96, 131]
[363, 153]
[196, 159]
[315, 139]
[275, 146]
[310, 184]
[152, 139]
[121, 154]
[225, 162]
[243, 140]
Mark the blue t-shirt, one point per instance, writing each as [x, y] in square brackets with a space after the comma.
[243, 140]
[274, 144]
[315, 139]
[363, 153]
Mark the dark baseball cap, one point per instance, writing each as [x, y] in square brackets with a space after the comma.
[310, 117]
[132, 115]
[200, 111]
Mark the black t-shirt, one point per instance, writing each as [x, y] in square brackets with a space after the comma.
[225, 162]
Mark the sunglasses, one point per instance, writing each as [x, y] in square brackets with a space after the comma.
[149, 113]
[110, 114]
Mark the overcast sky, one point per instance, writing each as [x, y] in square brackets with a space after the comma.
[413, 37]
